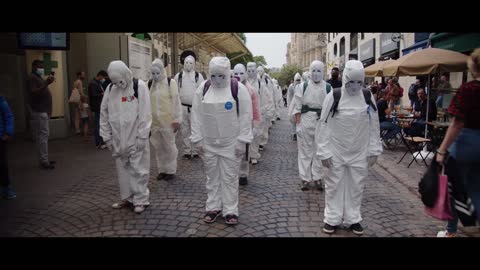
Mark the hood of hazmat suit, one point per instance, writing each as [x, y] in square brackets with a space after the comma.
[124, 118]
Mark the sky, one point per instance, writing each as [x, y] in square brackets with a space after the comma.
[273, 46]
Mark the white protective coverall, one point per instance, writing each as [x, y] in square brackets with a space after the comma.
[166, 110]
[277, 96]
[186, 90]
[309, 165]
[221, 135]
[291, 101]
[266, 108]
[125, 126]
[348, 144]
[240, 71]
[266, 94]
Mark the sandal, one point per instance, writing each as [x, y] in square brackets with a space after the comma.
[231, 219]
[211, 216]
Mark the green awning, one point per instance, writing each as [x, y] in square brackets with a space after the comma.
[459, 42]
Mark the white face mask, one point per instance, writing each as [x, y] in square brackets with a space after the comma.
[219, 80]
[252, 72]
[260, 71]
[239, 71]
[189, 64]
[118, 81]
[317, 75]
[353, 87]
[157, 74]
[40, 72]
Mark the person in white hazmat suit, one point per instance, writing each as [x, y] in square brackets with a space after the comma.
[309, 99]
[166, 119]
[348, 144]
[267, 98]
[241, 74]
[266, 110]
[290, 101]
[305, 76]
[125, 120]
[188, 80]
[277, 97]
[221, 128]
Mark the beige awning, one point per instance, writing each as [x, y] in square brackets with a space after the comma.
[376, 70]
[426, 61]
[219, 42]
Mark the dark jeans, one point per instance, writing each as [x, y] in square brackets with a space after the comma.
[98, 138]
[4, 178]
[391, 127]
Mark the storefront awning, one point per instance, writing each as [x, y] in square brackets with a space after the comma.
[464, 42]
[220, 42]
[416, 47]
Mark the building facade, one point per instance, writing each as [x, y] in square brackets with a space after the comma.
[304, 48]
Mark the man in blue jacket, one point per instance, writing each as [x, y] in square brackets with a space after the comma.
[6, 131]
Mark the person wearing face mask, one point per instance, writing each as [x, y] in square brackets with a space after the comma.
[305, 76]
[188, 81]
[95, 95]
[277, 94]
[266, 111]
[240, 73]
[125, 124]
[308, 106]
[334, 81]
[267, 92]
[290, 95]
[348, 137]
[221, 128]
[166, 117]
[40, 107]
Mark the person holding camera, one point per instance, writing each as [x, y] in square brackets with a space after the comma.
[40, 104]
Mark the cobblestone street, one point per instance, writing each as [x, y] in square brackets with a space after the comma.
[75, 199]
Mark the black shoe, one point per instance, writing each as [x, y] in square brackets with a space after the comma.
[327, 228]
[196, 156]
[260, 147]
[47, 166]
[161, 176]
[294, 137]
[243, 181]
[357, 228]
[278, 118]
[304, 185]
[169, 177]
[186, 156]
[318, 185]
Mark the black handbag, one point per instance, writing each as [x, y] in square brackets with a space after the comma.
[428, 185]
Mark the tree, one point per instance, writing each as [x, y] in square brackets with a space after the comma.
[260, 60]
[287, 73]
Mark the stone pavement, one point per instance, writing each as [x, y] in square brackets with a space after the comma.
[74, 200]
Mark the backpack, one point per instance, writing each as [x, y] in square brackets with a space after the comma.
[135, 87]
[180, 75]
[150, 82]
[337, 94]
[233, 88]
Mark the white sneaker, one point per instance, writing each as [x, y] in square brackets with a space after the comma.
[445, 234]
[103, 146]
[254, 161]
[139, 209]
